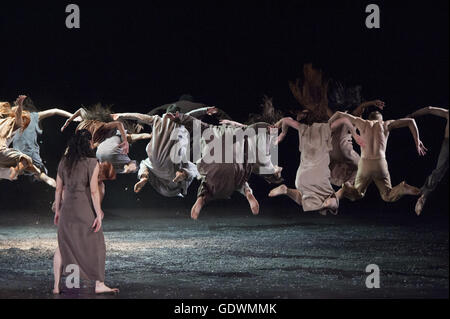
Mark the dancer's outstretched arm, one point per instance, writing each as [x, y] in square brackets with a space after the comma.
[363, 106]
[436, 111]
[411, 124]
[232, 123]
[143, 118]
[209, 110]
[187, 121]
[344, 121]
[356, 121]
[53, 112]
[284, 124]
[78, 113]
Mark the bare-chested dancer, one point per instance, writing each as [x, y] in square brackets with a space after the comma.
[373, 166]
[442, 165]
[12, 161]
[313, 186]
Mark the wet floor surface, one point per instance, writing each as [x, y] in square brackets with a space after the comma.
[237, 256]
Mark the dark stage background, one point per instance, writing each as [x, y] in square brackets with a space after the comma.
[138, 55]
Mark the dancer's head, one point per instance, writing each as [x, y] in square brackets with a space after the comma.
[79, 148]
[98, 112]
[375, 116]
[307, 117]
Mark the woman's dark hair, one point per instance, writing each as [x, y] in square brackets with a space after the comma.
[28, 105]
[79, 148]
[98, 112]
[269, 114]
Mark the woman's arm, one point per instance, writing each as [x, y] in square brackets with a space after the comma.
[18, 113]
[284, 124]
[72, 118]
[363, 106]
[95, 195]
[53, 112]
[344, 121]
[58, 197]
[436, 111]
[143, 118]
[232, 123]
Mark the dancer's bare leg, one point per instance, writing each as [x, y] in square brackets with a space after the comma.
[180, 176]
[138, 137]
[195, 211]
[293, 194]
[57, 269]
[101, 288]
[254, 205]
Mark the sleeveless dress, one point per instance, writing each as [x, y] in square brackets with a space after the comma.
[78, 243]
[27, 142]
[313, 175]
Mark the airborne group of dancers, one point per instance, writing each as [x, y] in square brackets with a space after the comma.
[329, 119]
[325, 129]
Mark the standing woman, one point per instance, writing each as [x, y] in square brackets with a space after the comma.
[79, 215]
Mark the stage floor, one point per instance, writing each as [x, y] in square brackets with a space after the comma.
[236, 255]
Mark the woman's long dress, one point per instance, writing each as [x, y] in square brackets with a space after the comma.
[78, 243]
[313, 175]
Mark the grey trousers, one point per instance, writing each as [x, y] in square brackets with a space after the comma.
[439, 172]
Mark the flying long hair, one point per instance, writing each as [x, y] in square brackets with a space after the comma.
[269, 114]
[79, 148]
[98, 112]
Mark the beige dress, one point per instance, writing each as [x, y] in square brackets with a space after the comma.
[78, 243]
[313, 175]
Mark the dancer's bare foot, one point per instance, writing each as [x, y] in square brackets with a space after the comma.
[254, 205]
[280, 190]
[180, 176]
[101, 288]
[331, 204]
[130, 168]
[420, 204]
[411, 190]
[195, 211]
[140, 185]
[16, 171]
[46, 179]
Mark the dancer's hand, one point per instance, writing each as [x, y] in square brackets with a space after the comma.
[172, 116]
[379, 104]
[56, 218]
[20, 99]
[125, 146]
[212, 110]
[115, 117]
[98, 223]
[66, 124]
[421, 149]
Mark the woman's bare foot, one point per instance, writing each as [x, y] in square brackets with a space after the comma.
[180, 176]
[140, 185]
[254, 205]
[280, 190]
[331, 204]
[195, 211]
[101, 288]
[411, 190]
[46, 179]
[420, 204]
[130, 168]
